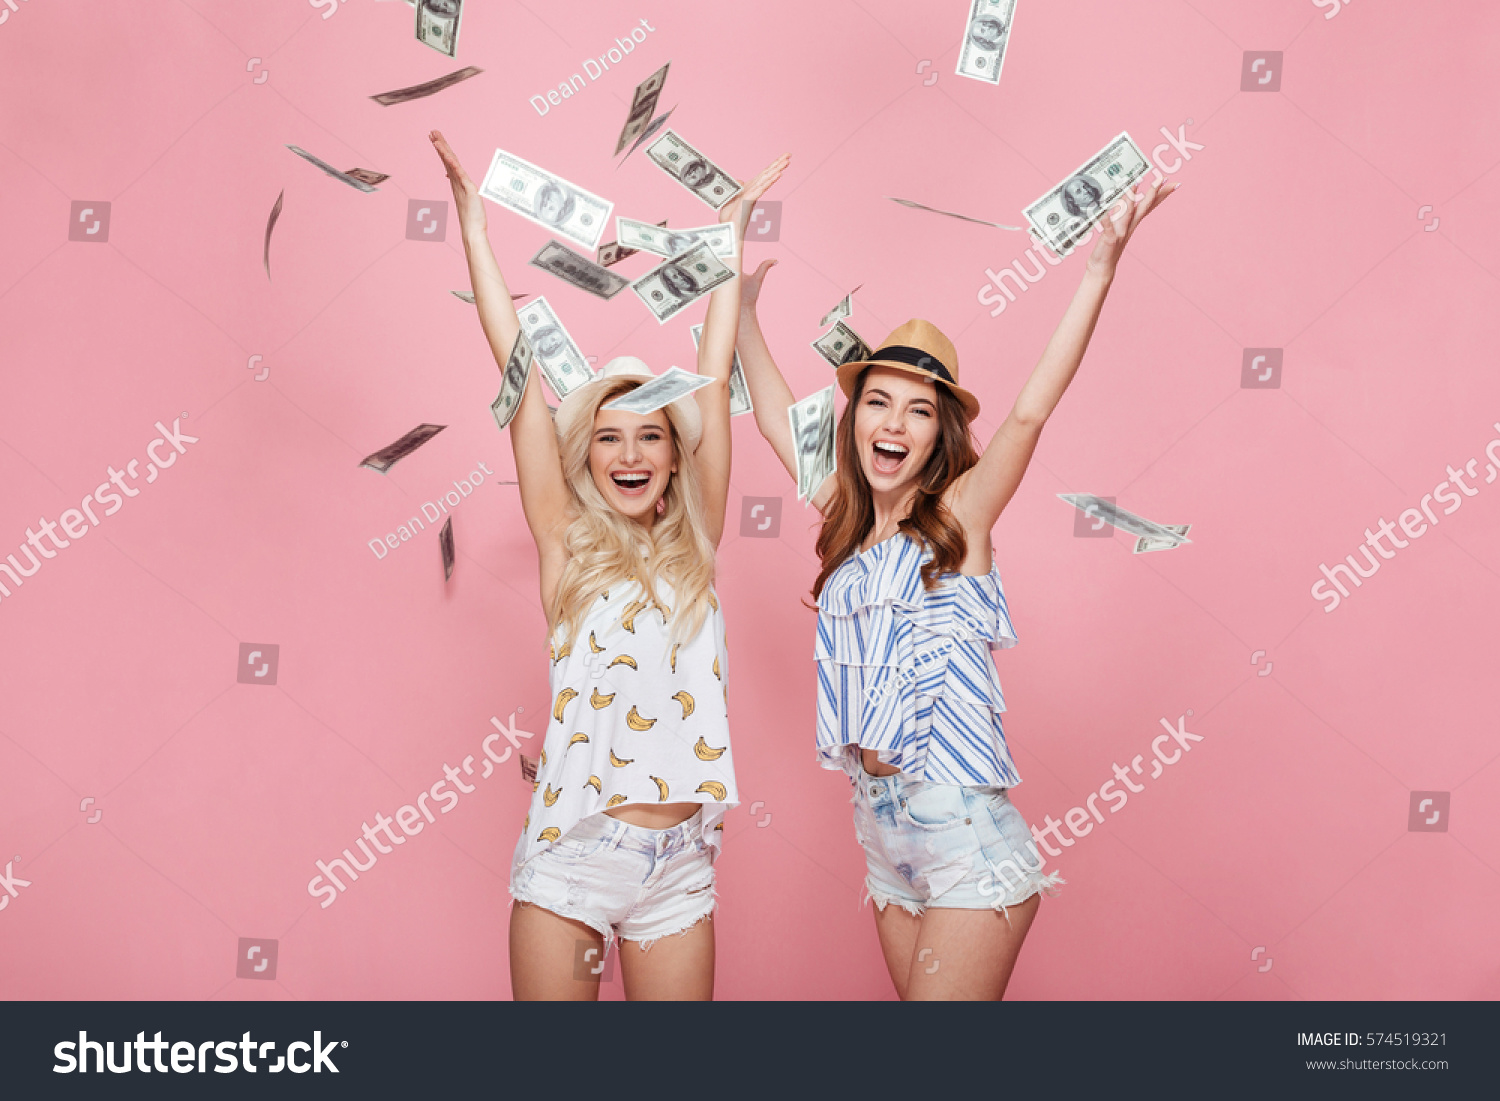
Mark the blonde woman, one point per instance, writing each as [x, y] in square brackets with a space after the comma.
[636, 771]
[909, 607]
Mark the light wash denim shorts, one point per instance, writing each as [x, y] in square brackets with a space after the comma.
[623, 880]
[944, 845]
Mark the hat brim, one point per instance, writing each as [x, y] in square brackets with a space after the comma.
[848, 374]
[687, 415]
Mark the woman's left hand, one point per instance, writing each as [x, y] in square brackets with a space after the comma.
[1121, 222]
[739, 208]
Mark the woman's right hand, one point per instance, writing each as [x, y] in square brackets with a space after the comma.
[750, 286]
[466, 199]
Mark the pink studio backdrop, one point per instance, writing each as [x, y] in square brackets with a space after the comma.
[157, 814]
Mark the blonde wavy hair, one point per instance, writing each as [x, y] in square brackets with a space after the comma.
[603, 545]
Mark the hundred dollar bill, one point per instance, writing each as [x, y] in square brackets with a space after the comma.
[986, 36]
[548, 200]
[642, 106]
[812, 440]
[582, 272]
[844, 308]
[675, 284]
[673, 242]
[468, 296]
[664, 389]
[513, 381]
[270, 225]
[528, 768]
[387, 457]
[437, 24]
[332, 171]
[692, 169]
[841, 345]
[948, 213]
[739, 393]
[1128, 522]
[656, 124]
[563, 365]
[431, 87]
[445, 543]
[1065, 215]
[1146, 543]
[368, 176]
[614, 252]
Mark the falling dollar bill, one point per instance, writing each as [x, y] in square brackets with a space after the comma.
[437, 24]
[642, 106]
[445, 543]
[986, 36]
[528, 768]
[664, 389]
[387, 457]
[692, 169]
[431, 87]
[563, 365]
[841, 345]
[812, 440]
[365, 175]
[613, 252]
[582, 272]
[948, 213]
[656, 124]
[844, 308]
[674, 242]
[1066, 214]
[270, 225]
[547, 200]
[468, 296]
[739, 393]
[1128, 522]
[673, 285]
[332, 171]
[513, 381]
[1146, 543]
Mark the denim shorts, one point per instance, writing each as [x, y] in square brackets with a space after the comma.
[944, 845]
[623, 880]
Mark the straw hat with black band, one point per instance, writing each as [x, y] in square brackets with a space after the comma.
[918, 348]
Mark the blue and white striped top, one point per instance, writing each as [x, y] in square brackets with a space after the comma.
[908, 672]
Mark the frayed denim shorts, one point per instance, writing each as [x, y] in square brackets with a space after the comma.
[944, 845]
[623, 880]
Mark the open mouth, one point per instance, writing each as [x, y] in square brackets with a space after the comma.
[632, 483]
[888, 457]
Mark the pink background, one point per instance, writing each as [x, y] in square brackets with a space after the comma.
[1285, 829]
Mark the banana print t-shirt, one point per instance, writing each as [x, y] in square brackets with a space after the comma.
[634, 719]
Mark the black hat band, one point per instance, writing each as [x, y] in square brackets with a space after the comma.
[915, 357]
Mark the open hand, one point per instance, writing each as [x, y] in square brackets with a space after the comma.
[750, 284]
[466, 198]
[739, 208]
[1121, 222]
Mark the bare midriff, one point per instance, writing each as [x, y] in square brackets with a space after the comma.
[874, 765]
[654, 816]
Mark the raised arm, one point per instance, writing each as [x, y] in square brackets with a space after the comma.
[544, 491]
[981, 494]
[716, 354]
[769, 393]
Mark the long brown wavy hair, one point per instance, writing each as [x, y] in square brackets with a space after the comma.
[851, 511]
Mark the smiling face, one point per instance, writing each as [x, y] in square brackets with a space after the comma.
[895, 428]
[631, 459]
